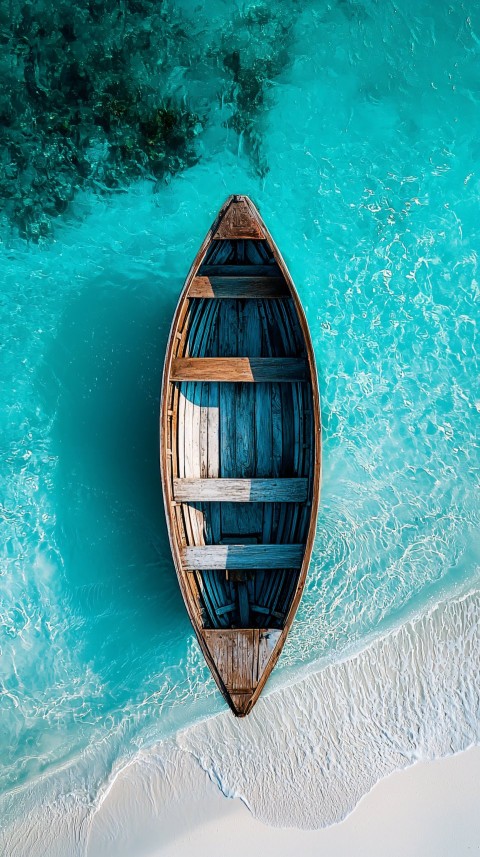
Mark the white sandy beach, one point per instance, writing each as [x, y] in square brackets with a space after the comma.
[378, 755]
[431, 808]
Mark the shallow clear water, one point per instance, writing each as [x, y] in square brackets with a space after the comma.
[361, 152]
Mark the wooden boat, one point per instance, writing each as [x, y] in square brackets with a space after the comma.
[240, 450]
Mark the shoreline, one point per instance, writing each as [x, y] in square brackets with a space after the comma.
[317, 755]
[429, 808]
[306, 761]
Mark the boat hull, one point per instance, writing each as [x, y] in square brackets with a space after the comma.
[240, 450]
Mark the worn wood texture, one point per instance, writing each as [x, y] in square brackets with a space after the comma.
[242, 657]
[238, 287]
[238, 222]
[239, 369]
[239, 271]
[239, 309]
[227, 345]
[292, 490]
[243, 556]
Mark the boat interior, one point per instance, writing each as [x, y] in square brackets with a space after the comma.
[240, 409]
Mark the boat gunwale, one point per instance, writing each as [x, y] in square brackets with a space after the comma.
[167, 477]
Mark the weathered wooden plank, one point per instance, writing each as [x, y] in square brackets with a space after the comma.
[258, 252]
[241, 657]
[239, 369]
[289, 428]
[262, 639]
[227, 490]
[267, 642]
[220, 253]
[264, 436]
[199, 347]
[227, 608]
[203, 447]
[270, 270]
[216, 596]
[228, 347]
[238, 287]
[268, 590]
[182, 513]
[263, 430]
[292, 323]
[243, 609]
[276, 429]
[192, 419]
[266, 611]
[254, 653]
[214, 457]
[240, 244]
[242, 556]
[220, 643]
[283, 346]
[239, 221]
[243, 676]
[192, 431]
[249, 342]
[244, 448]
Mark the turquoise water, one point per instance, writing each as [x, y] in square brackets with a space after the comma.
[353, 128]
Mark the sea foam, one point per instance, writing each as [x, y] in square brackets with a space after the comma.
[308, 753]
[304, 757]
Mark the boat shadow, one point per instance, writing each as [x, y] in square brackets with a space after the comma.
[110, 525]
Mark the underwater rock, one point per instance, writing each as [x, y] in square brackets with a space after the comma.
[84, 105]
[255, 50]
[99, 95]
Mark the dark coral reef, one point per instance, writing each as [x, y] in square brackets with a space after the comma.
[83, 101]
[101, 93]
[255, 50]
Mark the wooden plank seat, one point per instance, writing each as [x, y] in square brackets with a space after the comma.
[238, 287]
[239, 270]
[239, 369]
[240, 490]
[264, 557]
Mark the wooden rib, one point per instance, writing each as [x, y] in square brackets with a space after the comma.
[238, 287]
[240, 490]
[227, 608]
[219, 253]
[252, 557]
[258, 253]
[239, 369]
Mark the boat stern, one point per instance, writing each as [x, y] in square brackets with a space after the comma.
[241, 659]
